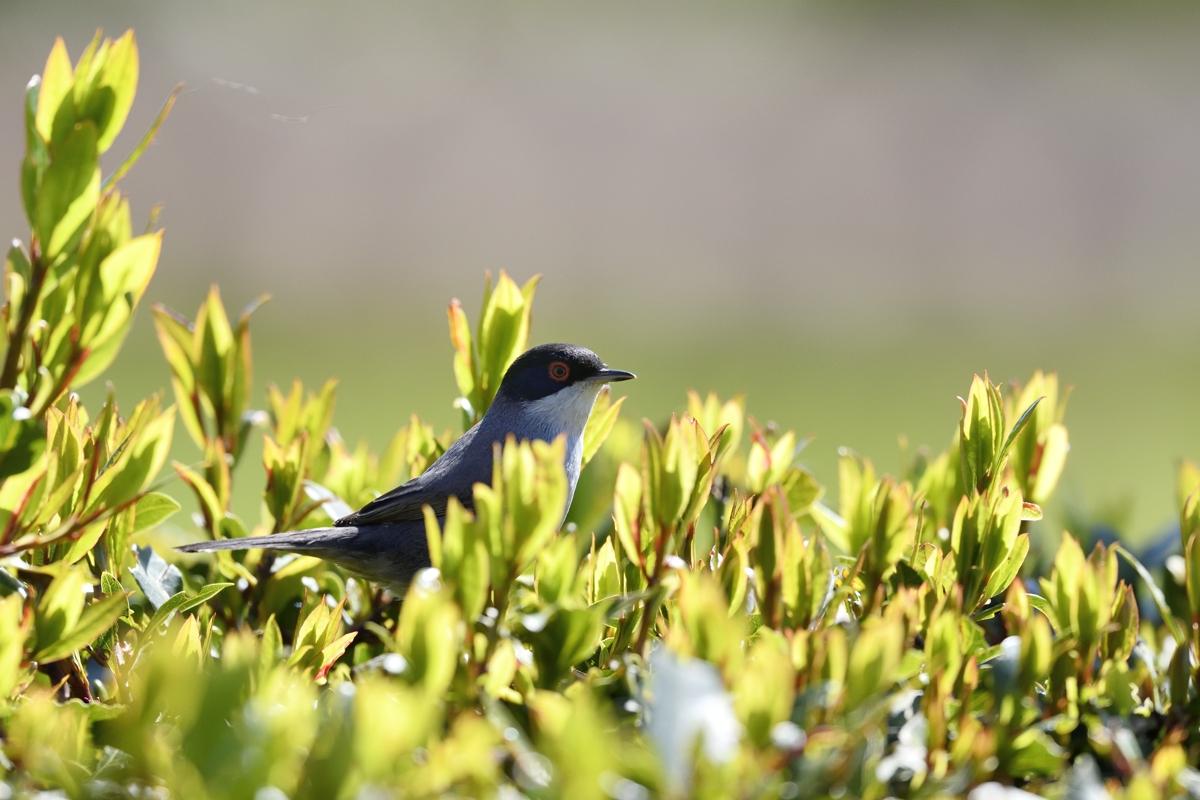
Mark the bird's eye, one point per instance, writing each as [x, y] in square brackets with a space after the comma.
[559, 371]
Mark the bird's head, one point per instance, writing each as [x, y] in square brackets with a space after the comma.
[548, 392]
[551, 370]
[550, 389]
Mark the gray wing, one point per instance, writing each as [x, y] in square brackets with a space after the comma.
[452, 475]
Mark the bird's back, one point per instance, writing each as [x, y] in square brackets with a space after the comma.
[452, 475]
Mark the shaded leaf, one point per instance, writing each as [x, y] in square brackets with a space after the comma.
[157, 579]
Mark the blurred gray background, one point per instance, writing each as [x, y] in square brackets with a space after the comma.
[843, 215]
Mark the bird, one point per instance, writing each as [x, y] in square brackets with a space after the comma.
[548, 391]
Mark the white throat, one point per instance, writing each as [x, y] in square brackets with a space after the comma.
[564, 412]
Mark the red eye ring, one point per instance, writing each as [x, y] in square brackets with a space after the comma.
[559, 371]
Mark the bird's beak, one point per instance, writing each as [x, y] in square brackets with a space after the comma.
[608, 375]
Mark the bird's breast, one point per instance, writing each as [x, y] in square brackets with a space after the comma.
[564, 413]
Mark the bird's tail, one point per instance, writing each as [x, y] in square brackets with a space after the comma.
[388, 554]
[294, 541]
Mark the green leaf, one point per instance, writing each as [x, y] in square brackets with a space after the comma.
[15, 624]
[832, 525]
[182, 602]
[124, 276]
[37, 156]
[85, 540]
[151, 509]
[503, 328]
[60, 607]
[22, 438]
[562, 638]
[627, 502]
[428, 637]
[600, 423]
[109, 583]
[95, 620]
[802, 490]
[116, 86]
[460, 340]
[239, 391]
[1191, 561]
[1179, 674]
[210, 504]
[1017, 427]
[18, 273]
[213, 339]
[147, 139]
[729, 418]
[1160, 601]
[873, 661]
[980, 432]
[769, 463]
[1187, 483]
[55, 85]
[271, 646]
[1007, 569]
[176, 339]
[1041, 604]
[69, 191]
[143, 455]
[1036, 753]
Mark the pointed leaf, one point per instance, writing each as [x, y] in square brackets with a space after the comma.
[95, 620]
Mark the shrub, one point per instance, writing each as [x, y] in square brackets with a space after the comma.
[713, 626]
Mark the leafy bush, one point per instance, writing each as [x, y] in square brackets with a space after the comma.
[711, 623]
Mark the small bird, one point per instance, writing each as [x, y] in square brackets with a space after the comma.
[547, 392]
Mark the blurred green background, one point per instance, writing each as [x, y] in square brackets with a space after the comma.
[840, 215]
